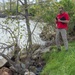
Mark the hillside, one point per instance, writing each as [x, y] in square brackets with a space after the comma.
[60, 63]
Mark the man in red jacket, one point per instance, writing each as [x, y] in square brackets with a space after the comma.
[62, 20]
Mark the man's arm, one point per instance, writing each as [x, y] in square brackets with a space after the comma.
[63, 21]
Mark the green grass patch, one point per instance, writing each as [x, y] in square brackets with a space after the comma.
[60, 63]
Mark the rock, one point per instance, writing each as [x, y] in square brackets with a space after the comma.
[39, 69]
[2, 15]
[35, 46]
[29, 73]
[5, 71]
[45, 50]
[2, 62]
[33, 67]
[71, 38]
[47, 33]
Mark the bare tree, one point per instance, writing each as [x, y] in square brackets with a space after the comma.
[17, 49]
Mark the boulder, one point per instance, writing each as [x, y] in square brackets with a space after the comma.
[5, 71]
[47, 33]
[29, 73]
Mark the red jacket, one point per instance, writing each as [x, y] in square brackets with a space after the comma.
[63, 16]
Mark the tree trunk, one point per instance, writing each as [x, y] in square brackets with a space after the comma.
[29, 34]
[28, 25]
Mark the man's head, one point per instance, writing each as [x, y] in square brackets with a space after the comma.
[61, 9]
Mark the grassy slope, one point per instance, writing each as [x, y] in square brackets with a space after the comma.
[60, 63]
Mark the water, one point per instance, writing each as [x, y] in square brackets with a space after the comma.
[5, 37]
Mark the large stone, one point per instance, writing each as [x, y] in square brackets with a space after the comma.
[2, 62]
[29, 73]
[47, 33]
[5, 71]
